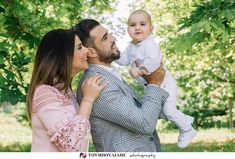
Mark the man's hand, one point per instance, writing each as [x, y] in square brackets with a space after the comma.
[156, 77]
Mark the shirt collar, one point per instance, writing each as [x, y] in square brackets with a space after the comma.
[112, 70]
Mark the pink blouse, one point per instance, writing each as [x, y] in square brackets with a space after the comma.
[55, 123]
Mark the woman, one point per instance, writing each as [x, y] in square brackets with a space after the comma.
[58, 124]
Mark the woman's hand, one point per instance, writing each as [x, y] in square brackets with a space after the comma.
[92, 87]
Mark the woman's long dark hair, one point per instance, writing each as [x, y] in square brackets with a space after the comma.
[53, 62]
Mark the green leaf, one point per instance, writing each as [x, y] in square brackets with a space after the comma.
[228, 14]
[23, 25]
[2, 8]
[183, 44]
[202, 26]
[219, 24]
[2, 81]
[233, 69]
[10, 75]
[225, 36]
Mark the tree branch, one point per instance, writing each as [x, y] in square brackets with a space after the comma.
[222, 79]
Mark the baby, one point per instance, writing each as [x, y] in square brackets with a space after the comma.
[145, 56]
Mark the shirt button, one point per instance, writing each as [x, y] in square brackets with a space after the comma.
[151, 138]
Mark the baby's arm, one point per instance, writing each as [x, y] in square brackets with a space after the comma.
[153, 55]
[141, 69]
[135, 72]
[124, 58]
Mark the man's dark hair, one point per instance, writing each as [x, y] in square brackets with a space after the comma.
[83, 28]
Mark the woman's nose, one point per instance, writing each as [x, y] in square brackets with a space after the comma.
[86, 51]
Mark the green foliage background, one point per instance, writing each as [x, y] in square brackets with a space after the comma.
[198, 47]
[23, 23]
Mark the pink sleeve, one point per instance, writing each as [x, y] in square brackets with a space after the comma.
[73, 137]
[68, 131]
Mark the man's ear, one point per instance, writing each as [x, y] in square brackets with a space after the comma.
[92, 52]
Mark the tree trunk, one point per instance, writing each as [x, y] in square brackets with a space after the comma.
[230, 108]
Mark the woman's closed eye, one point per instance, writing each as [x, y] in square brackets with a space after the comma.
[79, 46]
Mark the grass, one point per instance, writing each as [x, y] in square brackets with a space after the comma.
[209, 140]
[15, 137]
[228, 146]
[195, 147]
[203, 147]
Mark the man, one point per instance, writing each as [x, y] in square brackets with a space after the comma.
[120, 121]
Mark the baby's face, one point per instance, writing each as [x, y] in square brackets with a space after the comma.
[139, 27]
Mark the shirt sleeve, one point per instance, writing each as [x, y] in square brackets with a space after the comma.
[124, 59]
[115, 106]
[68, 131]
[153, 55]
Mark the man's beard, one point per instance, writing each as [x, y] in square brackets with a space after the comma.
[108, 58]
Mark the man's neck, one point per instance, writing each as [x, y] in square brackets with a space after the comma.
[105, 64]
[101, 63]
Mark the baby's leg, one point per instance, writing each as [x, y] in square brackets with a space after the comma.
[182, 121]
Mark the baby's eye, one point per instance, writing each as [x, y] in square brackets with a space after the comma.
[131, 25]
[142, 24]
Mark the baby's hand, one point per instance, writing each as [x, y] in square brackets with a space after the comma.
[144, 70]
[135, 72]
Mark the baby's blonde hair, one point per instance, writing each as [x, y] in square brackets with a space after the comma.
[140, 11]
